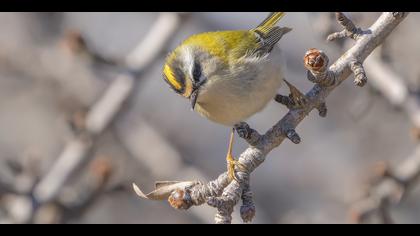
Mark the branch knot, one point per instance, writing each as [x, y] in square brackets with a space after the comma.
[360, 78]
[180, 199]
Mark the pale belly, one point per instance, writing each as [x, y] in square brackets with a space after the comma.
[232, 101]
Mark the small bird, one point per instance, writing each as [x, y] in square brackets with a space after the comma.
[229, 75]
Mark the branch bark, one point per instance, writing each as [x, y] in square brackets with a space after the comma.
[223, 194]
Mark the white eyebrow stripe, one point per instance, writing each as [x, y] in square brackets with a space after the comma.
[188, 59]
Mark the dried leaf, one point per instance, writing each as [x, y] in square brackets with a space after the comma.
[163, 189]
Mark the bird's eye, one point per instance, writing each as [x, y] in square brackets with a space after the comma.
[196, 72]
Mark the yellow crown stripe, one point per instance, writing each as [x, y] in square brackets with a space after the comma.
[188, 88]
[171, 78]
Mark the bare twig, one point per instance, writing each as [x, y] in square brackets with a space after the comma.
[350, 30]
[224, 195]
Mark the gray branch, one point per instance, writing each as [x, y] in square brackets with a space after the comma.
[224, 195]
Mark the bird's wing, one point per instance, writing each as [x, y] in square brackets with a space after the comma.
[268, 34]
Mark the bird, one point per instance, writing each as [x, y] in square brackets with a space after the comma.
[228, 76]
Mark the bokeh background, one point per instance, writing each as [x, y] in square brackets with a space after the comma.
[47, 86]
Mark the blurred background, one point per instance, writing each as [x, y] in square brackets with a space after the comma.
[76, 129]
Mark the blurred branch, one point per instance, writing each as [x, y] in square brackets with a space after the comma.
[223, 194]
[391, 186]
[394, 89]
[43, 203]
[74, 42]
[384, 79]
[74, 201]
[6, 179]
[105, 110]
[86, 195]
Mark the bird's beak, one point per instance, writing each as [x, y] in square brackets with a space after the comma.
[195, 92]
[193, 98]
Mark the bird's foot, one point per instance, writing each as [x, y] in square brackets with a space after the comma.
[231, 164]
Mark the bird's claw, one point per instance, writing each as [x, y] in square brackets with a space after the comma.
[231, 170]
[231, 164]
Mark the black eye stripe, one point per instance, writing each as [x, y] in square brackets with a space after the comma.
[196, 71]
